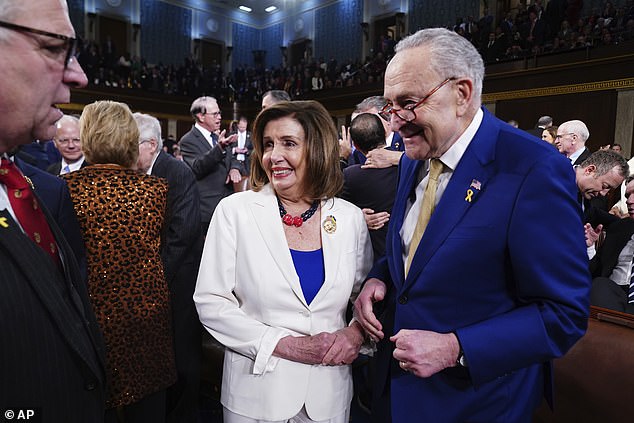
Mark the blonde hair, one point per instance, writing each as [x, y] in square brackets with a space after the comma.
[324, 178]
[109, 134]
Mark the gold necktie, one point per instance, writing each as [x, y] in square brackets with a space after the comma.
[426, 209]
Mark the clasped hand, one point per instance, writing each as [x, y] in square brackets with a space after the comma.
[332, 349]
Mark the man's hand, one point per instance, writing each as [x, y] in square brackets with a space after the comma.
[345, 147]
[380, 158]
[376, 220]
[592, 234]
[233, 176]
[346, 347]
[373, 291]
[425, 353]
[223, 142]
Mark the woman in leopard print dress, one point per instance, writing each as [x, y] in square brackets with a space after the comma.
[121, 213]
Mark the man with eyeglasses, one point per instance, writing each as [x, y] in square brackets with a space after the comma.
[485, 278]
[572, 136]
[209, 156]
[69, 145]
[51, 350]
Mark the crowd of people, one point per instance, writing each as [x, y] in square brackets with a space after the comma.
[114, 261]
[526, 31]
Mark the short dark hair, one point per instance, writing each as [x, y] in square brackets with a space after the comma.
[324, 178]
[367, 132]
[606, 160]
[278, 95]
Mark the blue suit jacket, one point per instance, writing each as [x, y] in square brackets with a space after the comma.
[506, 271]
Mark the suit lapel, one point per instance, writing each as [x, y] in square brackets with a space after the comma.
[48, 288]
[265, 213]
[466, 185]
[408, 178]
[331, 247]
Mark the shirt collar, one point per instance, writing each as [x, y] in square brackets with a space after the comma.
[452, 157]
[205, 132]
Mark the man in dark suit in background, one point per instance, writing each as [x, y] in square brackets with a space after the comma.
[572, 136]
[612, 267]
[52, 353]
[209, 157]
[182, 248]
[369, 188]
[68, 143]
[241, 152]
[542, 123]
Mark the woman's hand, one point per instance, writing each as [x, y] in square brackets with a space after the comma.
[346, 347]
[305, 349]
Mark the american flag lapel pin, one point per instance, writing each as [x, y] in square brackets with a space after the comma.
[473, 188]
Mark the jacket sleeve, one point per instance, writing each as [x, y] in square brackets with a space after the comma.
[219, 309]
[202, 163]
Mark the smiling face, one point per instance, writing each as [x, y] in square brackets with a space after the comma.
[441, 119]
[67, 140]
[34, 79]
[284, 158]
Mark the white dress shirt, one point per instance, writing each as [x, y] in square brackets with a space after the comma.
[450, 159]
[206, 134]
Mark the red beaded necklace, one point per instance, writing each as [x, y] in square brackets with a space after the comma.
[296, 221]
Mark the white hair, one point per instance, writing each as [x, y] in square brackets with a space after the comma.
[9, 9]
[451, 55]
[149, 128]
[576, 127]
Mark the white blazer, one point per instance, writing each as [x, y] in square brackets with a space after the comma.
[248, 297]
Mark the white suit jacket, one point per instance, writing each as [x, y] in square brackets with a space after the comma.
[248, 297]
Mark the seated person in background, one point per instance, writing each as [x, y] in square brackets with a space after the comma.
[612, 286]
[68, 143]
[370, 189]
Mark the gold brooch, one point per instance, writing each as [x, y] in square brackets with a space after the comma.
[330, 224]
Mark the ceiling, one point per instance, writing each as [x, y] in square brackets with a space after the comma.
[257, 6]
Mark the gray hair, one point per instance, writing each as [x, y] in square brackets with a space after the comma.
[278, 95]
[576, 127]
[545, 121]
[64, 120]
[376, 101]
[451, 55]
[149, 128]
[8, 11]
[606, 160]
[200, 105]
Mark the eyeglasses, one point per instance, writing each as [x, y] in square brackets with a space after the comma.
[407, 113]
[214, 114]
[70, 44]
[66, 141]
[563, 135]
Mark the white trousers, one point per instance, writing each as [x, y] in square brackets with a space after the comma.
[301, 417]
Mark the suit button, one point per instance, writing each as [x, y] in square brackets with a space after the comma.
[90, 386]
[402, 299]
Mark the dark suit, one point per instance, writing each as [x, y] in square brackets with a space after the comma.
[211, 167]
[374, 189]
[537, 131]
[54, 194]
[586, 153]
[56, 168]
[506, 274]
[605, 292]
[52, 353]
[182, 247]
[243, 166]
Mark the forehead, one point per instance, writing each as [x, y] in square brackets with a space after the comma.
[284, 126]
[611, 178]
[629, 188]
[47, 15]
[409, 74]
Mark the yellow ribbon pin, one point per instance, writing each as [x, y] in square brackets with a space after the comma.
[3, 222]
[469, 195]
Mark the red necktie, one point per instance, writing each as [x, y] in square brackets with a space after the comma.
[27, 210]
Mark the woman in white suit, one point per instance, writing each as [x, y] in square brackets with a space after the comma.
[281, 263]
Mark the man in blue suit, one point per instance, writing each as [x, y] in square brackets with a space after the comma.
[485, 278]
